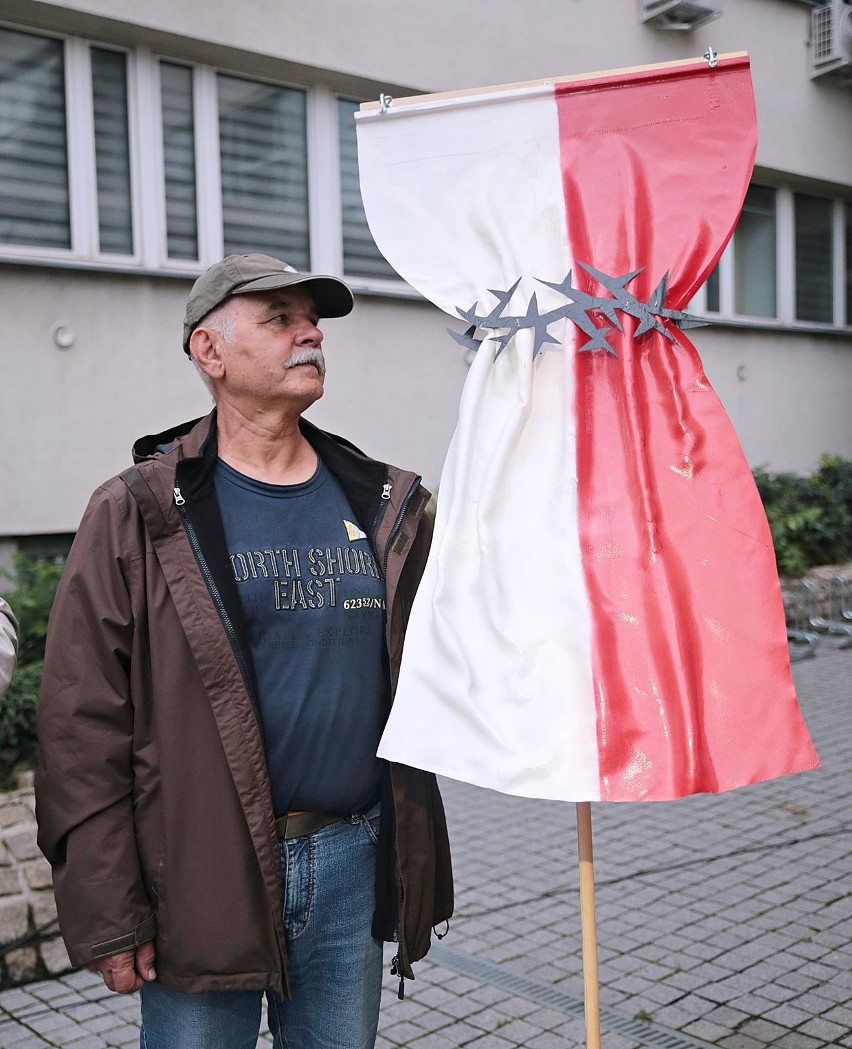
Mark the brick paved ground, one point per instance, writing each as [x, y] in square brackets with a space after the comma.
[722, 921]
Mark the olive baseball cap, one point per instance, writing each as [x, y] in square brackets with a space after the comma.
[240, 274]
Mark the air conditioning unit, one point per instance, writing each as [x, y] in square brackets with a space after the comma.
[679, 14]
[831, 41]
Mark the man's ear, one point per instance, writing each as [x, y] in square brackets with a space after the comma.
[206, 349]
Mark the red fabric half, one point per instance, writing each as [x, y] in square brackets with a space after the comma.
[691, 668]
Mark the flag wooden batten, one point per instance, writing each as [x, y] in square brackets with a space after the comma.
[413, 103]
[588, 925]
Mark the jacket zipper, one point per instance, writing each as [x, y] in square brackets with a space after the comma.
[219, 604]
[227, 623]
[400, 960]
[387, 488]
[400, 517]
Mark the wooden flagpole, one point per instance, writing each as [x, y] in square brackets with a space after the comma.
[588, 926]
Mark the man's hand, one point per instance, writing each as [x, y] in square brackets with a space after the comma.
[127, 971]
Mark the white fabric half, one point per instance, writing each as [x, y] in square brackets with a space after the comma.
[496, 682]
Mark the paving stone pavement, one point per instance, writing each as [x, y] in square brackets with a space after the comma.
[722, 921]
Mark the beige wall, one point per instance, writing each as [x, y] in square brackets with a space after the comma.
[788, 395]
[392, 387]
[73, 413]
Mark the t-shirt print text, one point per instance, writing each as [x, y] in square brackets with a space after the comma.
[307, 578]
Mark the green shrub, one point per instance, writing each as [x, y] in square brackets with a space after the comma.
[832, 485]
[810, 517]
[35, 583]
[18, 746]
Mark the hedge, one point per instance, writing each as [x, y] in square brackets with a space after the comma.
[810, 517]
[35, 587]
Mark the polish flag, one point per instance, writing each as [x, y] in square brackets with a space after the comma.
[600, 616]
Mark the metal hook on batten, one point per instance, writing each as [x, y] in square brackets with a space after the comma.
[711, 58]
[385, 102]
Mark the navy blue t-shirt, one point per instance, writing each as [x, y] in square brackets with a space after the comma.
[314, 604]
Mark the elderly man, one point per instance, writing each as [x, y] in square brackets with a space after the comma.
[220, 662]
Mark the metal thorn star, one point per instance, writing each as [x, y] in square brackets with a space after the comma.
[503, 297]
[470, 315]
[538, 322]
[502, 341]
[658, 295]
[598, 342]
[465, 339]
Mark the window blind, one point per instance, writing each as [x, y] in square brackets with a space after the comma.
[814, 258]
[179, 161]
[713, 291]
[755, 293]
[34, 200]
[361, 257]
[112, 151]
[264, 169]
[848, 224]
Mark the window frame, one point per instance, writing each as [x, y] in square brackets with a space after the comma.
[147, 169]
[785, 269]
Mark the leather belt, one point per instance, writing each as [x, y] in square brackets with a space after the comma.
[298, 824]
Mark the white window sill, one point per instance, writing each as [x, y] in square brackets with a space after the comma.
[772, 324]
[186, 271]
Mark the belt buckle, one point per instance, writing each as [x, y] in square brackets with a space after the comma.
[300, 824]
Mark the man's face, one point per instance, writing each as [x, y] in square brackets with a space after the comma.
[276, 356]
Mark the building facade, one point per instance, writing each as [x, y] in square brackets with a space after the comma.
[140, 143]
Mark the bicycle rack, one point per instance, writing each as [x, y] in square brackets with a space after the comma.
[835, 631]
[840, 599]
[802, 643]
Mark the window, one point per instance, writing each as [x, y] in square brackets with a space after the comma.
[127, 159]
[789, 262]
[361, 257]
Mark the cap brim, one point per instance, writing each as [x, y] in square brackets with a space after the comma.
[332, 297]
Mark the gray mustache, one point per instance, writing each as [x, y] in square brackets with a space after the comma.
[307, 356]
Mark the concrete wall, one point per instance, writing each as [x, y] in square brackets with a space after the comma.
[72, 415]
[788, 395]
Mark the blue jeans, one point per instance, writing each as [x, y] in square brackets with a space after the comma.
[335, 967]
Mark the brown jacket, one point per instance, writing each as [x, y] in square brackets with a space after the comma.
[152, 792]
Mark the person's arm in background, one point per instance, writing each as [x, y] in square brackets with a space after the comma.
[8, 645]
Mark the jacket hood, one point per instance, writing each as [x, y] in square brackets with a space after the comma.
[155, 444]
